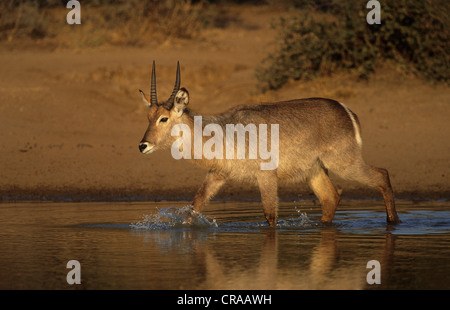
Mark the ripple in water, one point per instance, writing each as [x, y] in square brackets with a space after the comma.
[174, 217]
[185, 217]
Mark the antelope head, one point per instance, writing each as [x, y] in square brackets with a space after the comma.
[162, 117]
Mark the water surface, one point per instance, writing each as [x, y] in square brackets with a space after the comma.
[145, 245]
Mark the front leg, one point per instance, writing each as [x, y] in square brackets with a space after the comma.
[268, 186]
[212, 183]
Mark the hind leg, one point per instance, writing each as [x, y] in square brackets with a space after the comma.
[321, 184]
[374, 177]
[379, 178]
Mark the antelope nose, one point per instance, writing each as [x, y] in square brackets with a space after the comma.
[146, 147]
[142, 147]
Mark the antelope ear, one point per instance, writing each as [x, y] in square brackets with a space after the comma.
[145, 98]
[181, 101]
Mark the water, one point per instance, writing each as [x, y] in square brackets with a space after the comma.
[145, 245]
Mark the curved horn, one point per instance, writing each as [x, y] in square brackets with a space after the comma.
[153, 100]
[169, 104]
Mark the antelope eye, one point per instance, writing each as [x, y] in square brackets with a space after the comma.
[163, 120]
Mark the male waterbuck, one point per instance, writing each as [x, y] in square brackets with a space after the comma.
[316, 135]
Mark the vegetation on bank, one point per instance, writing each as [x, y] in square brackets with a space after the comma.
[122, 22]
[320, 37]
[325, 37]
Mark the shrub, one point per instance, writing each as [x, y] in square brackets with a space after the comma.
[122, 22]
[334, 36]
[21, 19]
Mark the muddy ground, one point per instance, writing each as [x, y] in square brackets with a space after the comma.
[71, 119]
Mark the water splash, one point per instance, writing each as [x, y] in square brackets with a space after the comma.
[302, 221]
[174, 217]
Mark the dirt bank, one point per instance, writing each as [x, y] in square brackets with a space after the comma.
[71, 120]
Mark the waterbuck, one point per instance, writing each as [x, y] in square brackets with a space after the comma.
[316, 135]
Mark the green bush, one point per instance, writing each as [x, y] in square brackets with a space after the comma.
[326, 37]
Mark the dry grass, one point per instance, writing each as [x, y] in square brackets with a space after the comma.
[127, 23]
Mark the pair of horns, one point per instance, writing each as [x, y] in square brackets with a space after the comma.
[169, 103]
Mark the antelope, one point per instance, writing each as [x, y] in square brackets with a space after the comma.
[316, 135]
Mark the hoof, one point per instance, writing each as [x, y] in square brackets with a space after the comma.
[394, 221]
[326, 220]
[190, 217]
[272, 222]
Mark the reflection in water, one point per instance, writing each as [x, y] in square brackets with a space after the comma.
[225, 261]
[229, 248]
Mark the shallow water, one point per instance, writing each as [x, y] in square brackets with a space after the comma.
[145, 245]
